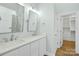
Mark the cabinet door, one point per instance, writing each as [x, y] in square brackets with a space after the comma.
[27, 50]
[22, 51]
[34, 48]
[42, 46]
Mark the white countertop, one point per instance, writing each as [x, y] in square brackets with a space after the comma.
[8, 46]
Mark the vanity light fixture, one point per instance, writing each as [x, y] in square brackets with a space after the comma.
[34, 11]
[22, 4]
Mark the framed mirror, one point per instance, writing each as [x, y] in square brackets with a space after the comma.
[32, 22]
[11, 17]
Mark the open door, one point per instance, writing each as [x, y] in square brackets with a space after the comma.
[77, 33]
[58, 31]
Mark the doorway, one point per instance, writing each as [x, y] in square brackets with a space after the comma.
[67, 34]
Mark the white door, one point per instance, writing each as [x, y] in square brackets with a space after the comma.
[58, 31]
[61, 31]
[77, 33]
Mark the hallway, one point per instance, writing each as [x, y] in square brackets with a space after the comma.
[67, 49]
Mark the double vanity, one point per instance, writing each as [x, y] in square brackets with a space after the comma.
[25, 46]
[14, 20]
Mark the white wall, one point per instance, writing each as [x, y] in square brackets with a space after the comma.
[66, 7]
[47, 25]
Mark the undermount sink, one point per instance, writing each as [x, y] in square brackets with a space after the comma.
[18, 38]
[3, 40]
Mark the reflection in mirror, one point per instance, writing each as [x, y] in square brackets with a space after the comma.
[14, 23]
[6, 19]
[32, 22]
[11, 17]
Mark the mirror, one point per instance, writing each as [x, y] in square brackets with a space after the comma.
[32, 22]
[11, 17]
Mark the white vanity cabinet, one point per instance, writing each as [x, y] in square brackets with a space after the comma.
[22, 51]
[42, 46]
[34, 48]
[38, 48]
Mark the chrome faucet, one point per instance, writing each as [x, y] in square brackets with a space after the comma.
[13, 37]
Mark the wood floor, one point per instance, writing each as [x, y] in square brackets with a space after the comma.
[67, 49]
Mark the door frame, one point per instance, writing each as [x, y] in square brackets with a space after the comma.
[77, 34]
[58, 16]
